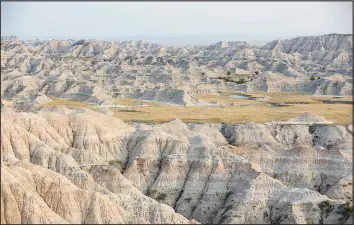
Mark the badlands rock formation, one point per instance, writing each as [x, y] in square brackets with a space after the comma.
[306, 129]
[96, 71]
[85, 165]
[65, 166]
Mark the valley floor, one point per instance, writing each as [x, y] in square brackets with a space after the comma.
[223, 107]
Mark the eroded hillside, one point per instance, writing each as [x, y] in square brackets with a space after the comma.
[97, 71]
[86, 167]
[135, 132]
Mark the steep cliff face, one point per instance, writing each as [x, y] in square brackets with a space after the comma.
[86, 167]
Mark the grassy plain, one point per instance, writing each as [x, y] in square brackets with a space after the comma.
[251, 111]
[69, 103]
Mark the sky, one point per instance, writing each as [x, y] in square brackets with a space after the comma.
[175, 21]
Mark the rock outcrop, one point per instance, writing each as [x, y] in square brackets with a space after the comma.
[84, 165]
[305, 129]
[88, 167]
[97, 71]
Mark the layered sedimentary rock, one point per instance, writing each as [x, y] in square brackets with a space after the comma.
[97, 71]
[62, 166]
[76, 165]
[306, 129]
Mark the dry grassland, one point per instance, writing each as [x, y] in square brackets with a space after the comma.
[253, 111]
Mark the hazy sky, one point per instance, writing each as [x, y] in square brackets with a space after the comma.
[254, 21]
